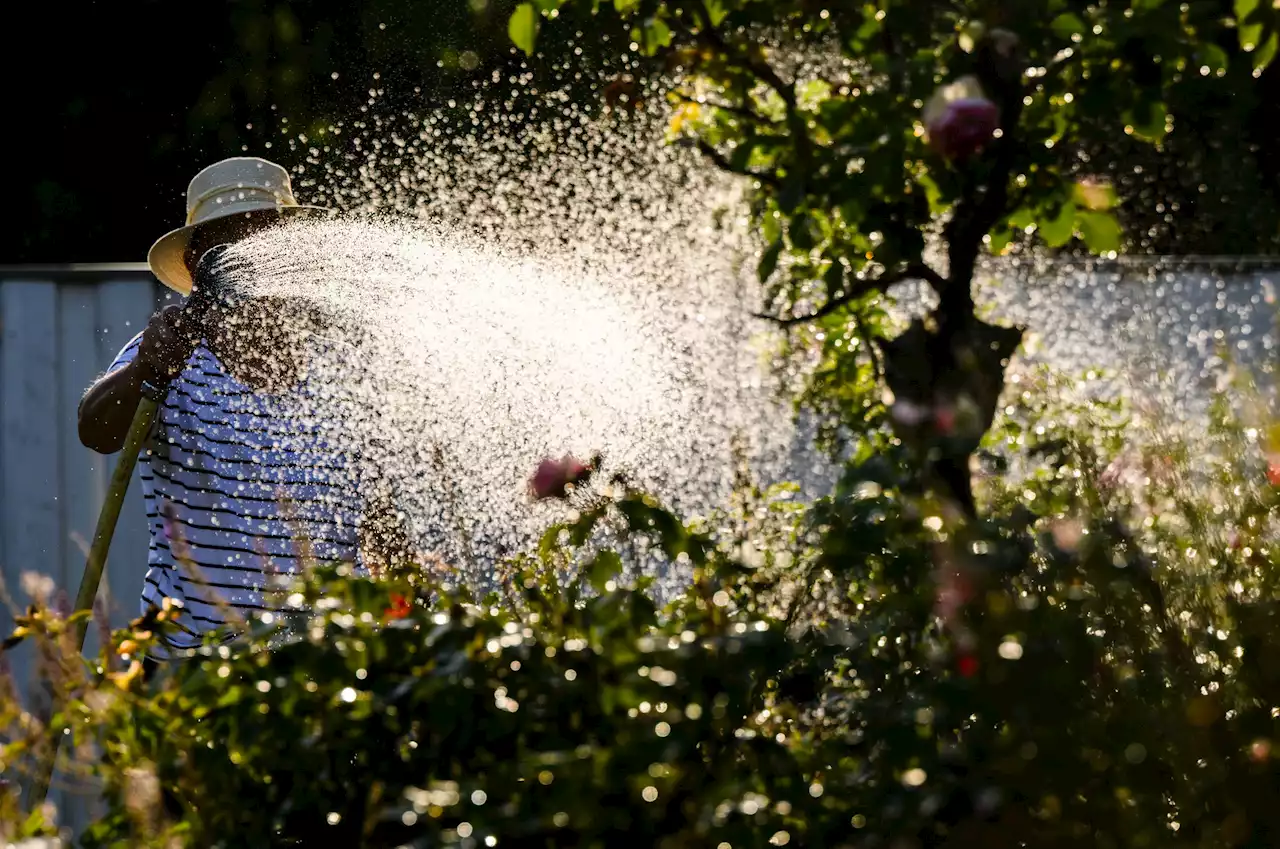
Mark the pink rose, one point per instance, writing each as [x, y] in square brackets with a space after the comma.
[553, 477]
[960, 119]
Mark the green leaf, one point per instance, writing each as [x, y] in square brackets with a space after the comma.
[1022, 218]
[1100, 231]
[652, 36]
[716, 11]
[1068, 24]
[1094, 195]
[769, 260]
[1254, 24]
[1000, 240]
[1263, 55]
[1057, 231]
[1148, 120]
[1213, 57]
[603, 568]
[523, 27]
[1248, 24]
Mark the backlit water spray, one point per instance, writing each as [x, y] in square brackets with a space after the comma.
[501, 295]
[512, 278]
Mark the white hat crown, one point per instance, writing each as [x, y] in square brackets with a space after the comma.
[239, 184]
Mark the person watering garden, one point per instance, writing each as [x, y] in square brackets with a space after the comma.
[231, 479]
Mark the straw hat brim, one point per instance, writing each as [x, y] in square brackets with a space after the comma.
[167, 255]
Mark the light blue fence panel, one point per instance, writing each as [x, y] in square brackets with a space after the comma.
[29, 445]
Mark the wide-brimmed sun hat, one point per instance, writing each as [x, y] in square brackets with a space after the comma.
[243, 185]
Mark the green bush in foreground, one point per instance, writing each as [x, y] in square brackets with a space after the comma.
[869, 670]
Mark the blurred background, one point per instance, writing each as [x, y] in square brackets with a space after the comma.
[114, 106]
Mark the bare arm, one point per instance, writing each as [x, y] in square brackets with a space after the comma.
[107, 408]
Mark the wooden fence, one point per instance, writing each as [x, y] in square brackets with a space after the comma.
[59, 328]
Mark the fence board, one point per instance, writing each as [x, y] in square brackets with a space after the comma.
[29, 446]
[82, 479]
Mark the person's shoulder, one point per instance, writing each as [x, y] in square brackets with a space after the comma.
[126, 355]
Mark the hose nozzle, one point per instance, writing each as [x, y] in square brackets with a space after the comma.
[208, 289]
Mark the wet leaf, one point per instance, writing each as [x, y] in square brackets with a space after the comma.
[769, 260]
[1058, 229]
[1068, 24]
[522, 28]
[1100, 231]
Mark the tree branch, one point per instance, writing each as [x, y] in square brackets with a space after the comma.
[722, 162]
[912, 271]
[762, 71]
[984, 201]
[864, 335]
[743, 111]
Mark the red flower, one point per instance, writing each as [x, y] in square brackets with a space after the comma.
[554, 477]
[1273, 470]
[967, 665]
[960, 119]
[945, 419]
[399, 609]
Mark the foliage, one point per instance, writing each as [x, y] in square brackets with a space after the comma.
[1087, 663]
[866, 129]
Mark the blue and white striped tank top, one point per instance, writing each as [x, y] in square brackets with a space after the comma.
[231, 482]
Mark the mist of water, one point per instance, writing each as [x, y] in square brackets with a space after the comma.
[512, 278]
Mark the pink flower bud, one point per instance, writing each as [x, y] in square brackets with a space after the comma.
[944, 417]
[959, 119]
[553, 477]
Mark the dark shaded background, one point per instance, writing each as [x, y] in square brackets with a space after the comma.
[111, 107]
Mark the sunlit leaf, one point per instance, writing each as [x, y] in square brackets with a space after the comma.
[1148, 120]
[1263, 56]
[1100, 231]
[523, 27]
[1068, 24]
[1000, 240]
[1058, 230]
[1248, 23]
[769, 260]
[1094, 195]
[652, 36]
